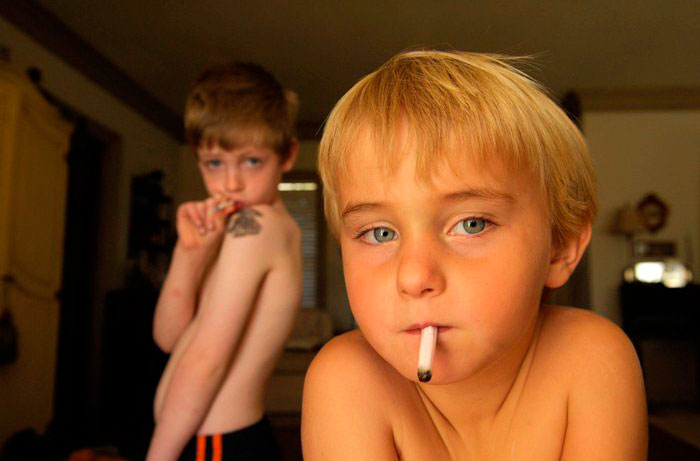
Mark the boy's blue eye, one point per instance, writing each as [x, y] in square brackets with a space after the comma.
[383, 234]
[212, 164]
[473, 225]
[253, 161]
[470, 226]
[378, 235]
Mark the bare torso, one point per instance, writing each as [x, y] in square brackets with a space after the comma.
[239, 401]
[396, 416]
[530, 424]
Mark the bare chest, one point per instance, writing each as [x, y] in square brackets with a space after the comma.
[534, 428]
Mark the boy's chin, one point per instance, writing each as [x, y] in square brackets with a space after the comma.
[435, 378]
[412, 374]
[440, 374]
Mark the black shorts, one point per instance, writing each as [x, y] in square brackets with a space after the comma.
[256, 442]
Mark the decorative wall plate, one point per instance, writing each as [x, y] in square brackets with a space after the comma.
[653, 212]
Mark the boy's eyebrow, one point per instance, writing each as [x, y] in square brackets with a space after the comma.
[467, 194]
[479, 193]
[356, 207]
[208, 154]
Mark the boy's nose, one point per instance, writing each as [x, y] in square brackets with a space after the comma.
[233, 180]
[419, 273]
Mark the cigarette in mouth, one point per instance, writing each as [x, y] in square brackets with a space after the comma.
[227, 205]
[428, 340]
[223, 205]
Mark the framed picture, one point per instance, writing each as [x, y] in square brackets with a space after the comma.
[653, 212]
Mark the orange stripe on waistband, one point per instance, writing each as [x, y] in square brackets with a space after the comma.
[201, 447]
[217, 447]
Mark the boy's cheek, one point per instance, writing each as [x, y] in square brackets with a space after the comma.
[487, 318]
[371, 289]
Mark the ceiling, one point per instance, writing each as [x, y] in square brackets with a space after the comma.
[320, 48]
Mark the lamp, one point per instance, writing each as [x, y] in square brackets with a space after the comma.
[627, 221]
[651, 262]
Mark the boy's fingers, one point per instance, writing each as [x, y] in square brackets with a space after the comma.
[210, 205]
[218, 209]
[204, 219]
[195, 215]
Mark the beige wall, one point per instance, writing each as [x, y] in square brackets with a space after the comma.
[636, 153]
[143, 146]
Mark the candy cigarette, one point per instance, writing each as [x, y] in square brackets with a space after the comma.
[223, 205]
[428, 340]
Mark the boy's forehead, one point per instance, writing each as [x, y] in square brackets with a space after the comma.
[218, 148]
[235, 137]
[367, 157]
[368, 172]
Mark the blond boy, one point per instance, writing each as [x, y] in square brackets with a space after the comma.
[461, 195]
[233, 288]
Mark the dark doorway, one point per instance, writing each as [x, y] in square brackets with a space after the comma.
[75, 408]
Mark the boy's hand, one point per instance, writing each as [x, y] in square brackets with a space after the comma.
[201, 224]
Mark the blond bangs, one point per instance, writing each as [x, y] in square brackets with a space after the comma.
[460, 107]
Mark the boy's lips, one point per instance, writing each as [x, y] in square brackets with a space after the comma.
[416, 328]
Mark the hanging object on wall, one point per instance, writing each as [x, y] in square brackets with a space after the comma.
[653, 212]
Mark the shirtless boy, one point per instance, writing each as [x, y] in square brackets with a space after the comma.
[461, 195]
[232, 292]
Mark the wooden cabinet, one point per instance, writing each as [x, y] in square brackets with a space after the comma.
[34, 141]
[667, 322]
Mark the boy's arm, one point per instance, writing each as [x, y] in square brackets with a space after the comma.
[199, 232]
[607, 416]
[178, 297]
[342, 413]
[234, 282]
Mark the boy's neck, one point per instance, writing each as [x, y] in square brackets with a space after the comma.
[275, 202]
[476, 401]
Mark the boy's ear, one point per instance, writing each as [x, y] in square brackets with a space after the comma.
[566, 257]
[291, 156]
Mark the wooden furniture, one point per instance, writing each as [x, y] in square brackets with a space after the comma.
[284, 390]
[283, 401]
[34, 140]
[651, 311]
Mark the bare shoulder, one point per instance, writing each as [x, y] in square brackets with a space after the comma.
[346, 405]
[271, 226]
[586, 336]
[606, 401]
[350, 364]
[587, 348]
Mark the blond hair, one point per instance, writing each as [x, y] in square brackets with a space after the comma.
[479, 105]
[234, 103]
